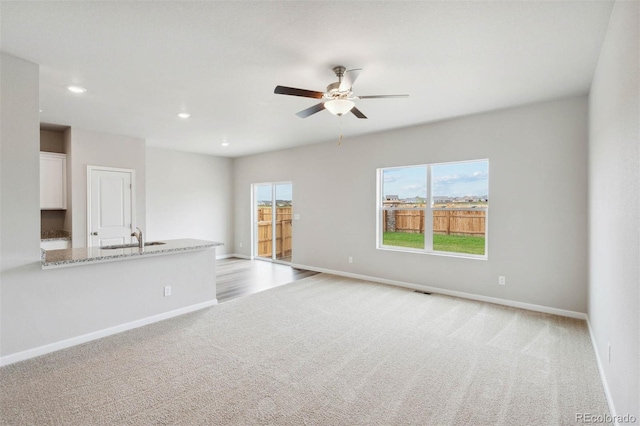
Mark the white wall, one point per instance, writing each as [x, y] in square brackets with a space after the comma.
[37, 307]
[538, 202]
[189, 196]
[103, 149]
[614, 209]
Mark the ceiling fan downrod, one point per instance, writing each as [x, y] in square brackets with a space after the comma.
[339, 70]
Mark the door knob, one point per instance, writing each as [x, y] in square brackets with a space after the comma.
[94, 233]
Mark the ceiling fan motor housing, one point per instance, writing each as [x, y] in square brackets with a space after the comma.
[333, 91]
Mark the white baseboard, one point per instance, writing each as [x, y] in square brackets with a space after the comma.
[63, 344]
[463, 295]
[603, 378]
[230, 255]
[225, 256]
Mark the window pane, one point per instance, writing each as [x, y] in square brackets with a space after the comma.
[284, 202]
[263, 219]
[404, 186]
[403, 228]
[460, 200]
[263, 195]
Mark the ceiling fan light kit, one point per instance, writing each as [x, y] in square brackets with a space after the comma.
[339, 106]
[338, 99]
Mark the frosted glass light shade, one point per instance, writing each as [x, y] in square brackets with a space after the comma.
[339, 106]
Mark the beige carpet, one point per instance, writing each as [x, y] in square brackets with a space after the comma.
[321, 351]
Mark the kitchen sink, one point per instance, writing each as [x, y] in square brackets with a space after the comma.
[119, 246]
[123, 246]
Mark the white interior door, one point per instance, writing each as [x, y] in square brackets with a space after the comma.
[110, 206]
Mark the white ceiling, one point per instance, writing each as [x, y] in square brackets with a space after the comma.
[143, 62]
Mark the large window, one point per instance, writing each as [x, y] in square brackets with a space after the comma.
[435, 208]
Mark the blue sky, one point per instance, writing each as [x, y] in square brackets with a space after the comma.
[450, 179]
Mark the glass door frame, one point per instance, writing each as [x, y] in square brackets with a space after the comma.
[254, 222]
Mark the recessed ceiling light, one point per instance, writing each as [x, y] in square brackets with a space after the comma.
[225, 144]
[76, 89]
[184, 115]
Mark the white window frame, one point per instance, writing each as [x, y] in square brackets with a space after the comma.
[428, 215]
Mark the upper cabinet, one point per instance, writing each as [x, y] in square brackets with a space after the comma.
[53, 181]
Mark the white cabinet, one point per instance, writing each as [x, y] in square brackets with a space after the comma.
[53, 181]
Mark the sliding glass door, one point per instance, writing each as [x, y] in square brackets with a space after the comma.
[272, 224]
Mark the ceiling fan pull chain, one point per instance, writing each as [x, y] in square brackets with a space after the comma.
[340, 139]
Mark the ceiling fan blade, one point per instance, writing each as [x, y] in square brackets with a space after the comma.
[358, 113]
[282, 90]
[349, 78]
[311, 110]
[381, 96]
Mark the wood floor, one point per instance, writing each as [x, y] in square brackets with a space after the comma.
[240, 277]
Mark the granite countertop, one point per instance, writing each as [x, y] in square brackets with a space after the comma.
[88, 255]
[55, 234]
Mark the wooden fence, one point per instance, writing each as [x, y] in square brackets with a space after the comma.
[445, 221]
[283, 232]
[450, 221]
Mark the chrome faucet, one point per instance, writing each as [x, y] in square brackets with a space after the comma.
[139, 236]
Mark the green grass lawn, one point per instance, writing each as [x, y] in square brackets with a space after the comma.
[403, 239]
[450, 243]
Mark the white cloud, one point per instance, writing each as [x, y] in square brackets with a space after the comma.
[460, 178]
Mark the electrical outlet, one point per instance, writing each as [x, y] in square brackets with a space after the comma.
[350, 259]
[502, 280]
[167, 290]
[240, 245]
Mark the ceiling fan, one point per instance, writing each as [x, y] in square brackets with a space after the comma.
[339, 97]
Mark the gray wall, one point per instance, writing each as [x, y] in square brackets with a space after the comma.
[20, 165]
[39, 307]
[614, 210]
[52, 141]
[68, 218]
[537, 215]
[189, 196]
[52, 219]
[103, 149]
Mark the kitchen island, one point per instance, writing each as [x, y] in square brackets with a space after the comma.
[82, 294]
[89, 255]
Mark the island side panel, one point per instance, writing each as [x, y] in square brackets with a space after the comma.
[50, 306]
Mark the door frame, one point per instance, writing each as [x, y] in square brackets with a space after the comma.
[132, 172]
[254, 228]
